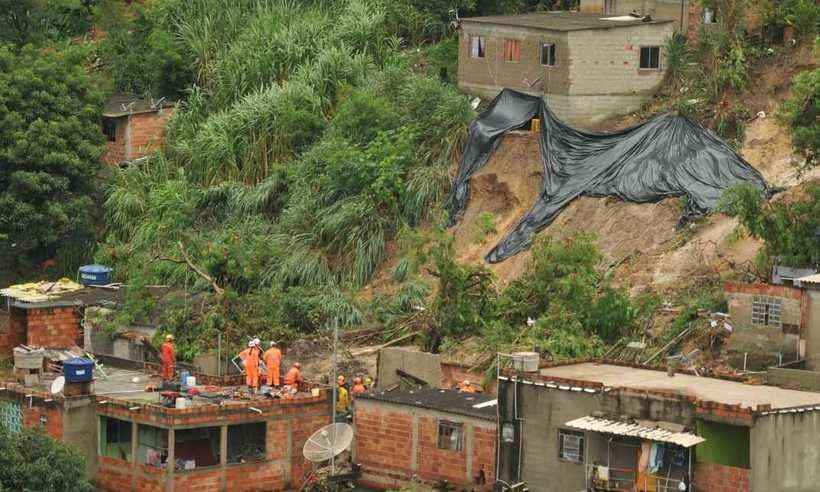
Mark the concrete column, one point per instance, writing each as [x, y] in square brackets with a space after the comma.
[133, 460]
[223, 456]
[468, 445]
[169, 478]
[414, 454]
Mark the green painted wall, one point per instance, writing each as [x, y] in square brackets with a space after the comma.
[725, 444]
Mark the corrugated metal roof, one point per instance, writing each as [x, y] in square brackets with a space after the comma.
[605, 426]
[811, 279]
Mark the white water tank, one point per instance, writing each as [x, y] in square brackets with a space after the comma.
[525, 361]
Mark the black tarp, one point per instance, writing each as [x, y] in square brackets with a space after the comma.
[667, 156]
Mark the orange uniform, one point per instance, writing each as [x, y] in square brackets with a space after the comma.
[358, 388]
[169, 360]
[293, 377]
[273, 359]
[250, 357]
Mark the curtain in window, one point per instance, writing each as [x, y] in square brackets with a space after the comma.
[512, 50]
[477, 46]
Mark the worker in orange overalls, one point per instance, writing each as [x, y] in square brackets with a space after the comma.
[273, 359]
[169, 358]
[293, 378]
[467, 387]
[358, 386]
[250, 357]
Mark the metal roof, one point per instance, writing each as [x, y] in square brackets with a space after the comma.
[562, 21]
[444, 400]
[125, 104]
[657, 434]
[811, 279]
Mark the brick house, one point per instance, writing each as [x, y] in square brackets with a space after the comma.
[602, 426]
[586, 67]
[425, 436]
[783, 320]
[134, 126]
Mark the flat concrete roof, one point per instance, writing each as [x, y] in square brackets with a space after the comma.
[705, 388]
[562, 21]
[443, 400]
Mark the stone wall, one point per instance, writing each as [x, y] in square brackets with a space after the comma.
[397, 443]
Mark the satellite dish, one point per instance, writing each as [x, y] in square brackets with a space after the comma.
[57, 385]
[327, 442]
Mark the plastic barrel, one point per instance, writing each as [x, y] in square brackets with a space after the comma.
[78, 370]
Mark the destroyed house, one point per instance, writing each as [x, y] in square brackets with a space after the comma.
[134, 126]
[429, 437]
[601, 426]
[586, 67]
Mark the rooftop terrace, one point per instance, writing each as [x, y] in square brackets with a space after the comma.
[704, 388]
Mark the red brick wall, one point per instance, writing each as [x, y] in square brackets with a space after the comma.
[384, 442]
[287, 421]
[52, 412]
[147, 132]
[53, 327]
[114, 474]
[384, 448]
[14, 332]
[764, 290]
[115, 151]
[718, 478]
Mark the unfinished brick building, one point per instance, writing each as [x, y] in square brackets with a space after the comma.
[134, 126]
[425, 436]
[586, 67]
[603, 426]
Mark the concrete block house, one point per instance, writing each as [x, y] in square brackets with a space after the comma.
[602, 426]
[425, 437]
[134, 126]
[586, 67]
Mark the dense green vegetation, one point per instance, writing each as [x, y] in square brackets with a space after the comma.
[801, 112]
[32, 461]
[50, 146]
[789, 227]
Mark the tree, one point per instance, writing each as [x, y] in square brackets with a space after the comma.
[801, 112]
[32, 461]
[35, 21]
[50, 148]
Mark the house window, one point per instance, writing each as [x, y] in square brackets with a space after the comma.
[110, 129]
[196, 448]
[650, 57]
[512, 50]
[571, 446]
[548, 54]
[246, 442]
[477, 46]
[115, 438]
[152, 445]
[450, 435]
[766, 310]
[609, 7]
[709, 16]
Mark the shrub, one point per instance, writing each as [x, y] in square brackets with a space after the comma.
[801, 112]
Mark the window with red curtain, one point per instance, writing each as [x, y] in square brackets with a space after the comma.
[512, 50]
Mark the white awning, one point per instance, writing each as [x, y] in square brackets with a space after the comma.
[658, 434]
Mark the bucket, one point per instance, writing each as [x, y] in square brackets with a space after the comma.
[315, 391]
[182, 403]
[183, 377]
[190, 381]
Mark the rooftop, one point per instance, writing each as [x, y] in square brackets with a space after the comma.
[58, 294]
[443, 400]
[125, 104]
[563, 21]
[705, 388]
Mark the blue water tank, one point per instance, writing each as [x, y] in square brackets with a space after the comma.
[95, 275]
[78, 370]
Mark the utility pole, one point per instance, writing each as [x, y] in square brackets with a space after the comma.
[335, 388]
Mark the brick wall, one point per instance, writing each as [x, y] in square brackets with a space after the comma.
[289, 424]
[146, 133]
[53, 327]
[13, 333]
[710, 477]
[115, 150]
[741, 296]
[52, 413]
[396, 444]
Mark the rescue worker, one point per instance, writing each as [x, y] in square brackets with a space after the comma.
[466, 387]
[273, 359]
[293, 378]
[368, 382]
[169, 358]
[342, 400]
[250, 357]
[358, 386]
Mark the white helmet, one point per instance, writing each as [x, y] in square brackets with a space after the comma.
[250, 344]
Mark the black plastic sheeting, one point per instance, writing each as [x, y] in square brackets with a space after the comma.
[667, 156]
